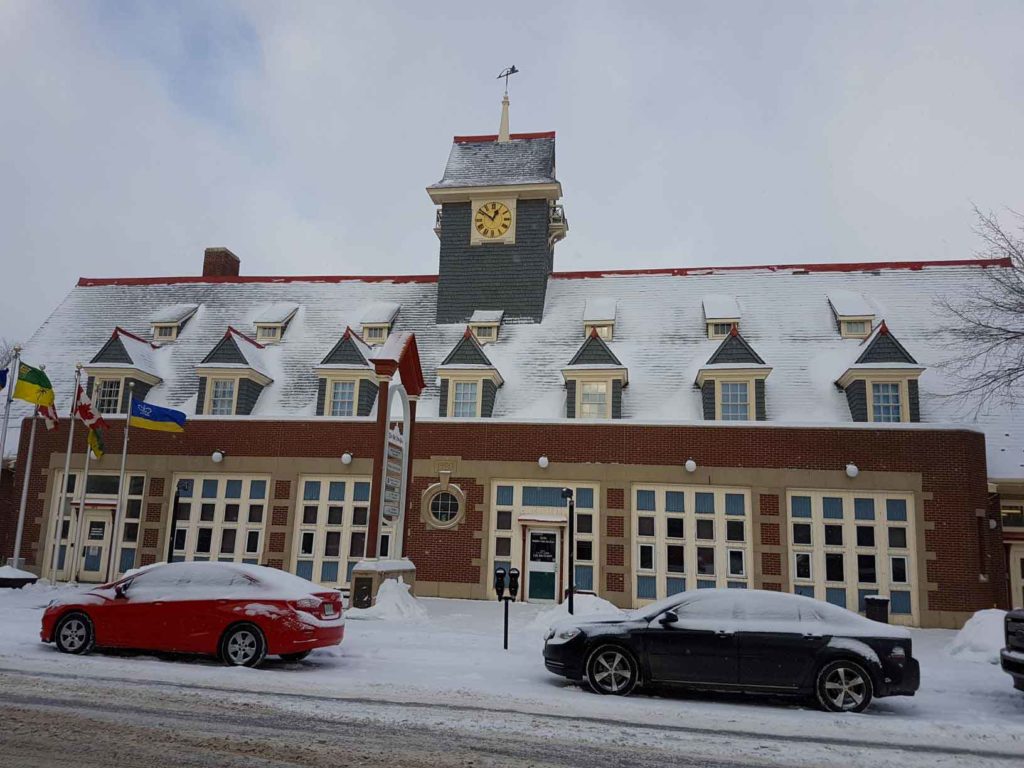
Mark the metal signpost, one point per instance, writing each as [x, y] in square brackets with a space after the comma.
[513, 590]
[567, 494]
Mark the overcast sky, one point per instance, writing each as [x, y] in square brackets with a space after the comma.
[301, 135]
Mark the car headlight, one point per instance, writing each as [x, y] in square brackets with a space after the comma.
[549, 635]
[562, 635]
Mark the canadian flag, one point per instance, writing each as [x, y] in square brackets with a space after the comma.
[87, 413]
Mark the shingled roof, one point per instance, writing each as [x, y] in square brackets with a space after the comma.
[483, 161]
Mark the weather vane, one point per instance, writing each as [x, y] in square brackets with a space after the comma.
[506, 73]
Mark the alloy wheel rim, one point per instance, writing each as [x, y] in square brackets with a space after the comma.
[242, 647]
[612, 671]
[72, 634]
[845, 688]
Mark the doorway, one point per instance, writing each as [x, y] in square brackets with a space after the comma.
[542, 565]
[1016, 567]
[92, 566]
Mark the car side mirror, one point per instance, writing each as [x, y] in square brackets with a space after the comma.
[668, 617]
[121, 590]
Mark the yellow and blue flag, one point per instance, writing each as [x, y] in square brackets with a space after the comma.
[148, 416]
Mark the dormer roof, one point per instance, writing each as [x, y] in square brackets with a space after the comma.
[380, 313]
[467, 352]
[276, 314]
[721, 307]
[594, 353]
[846, 304]
[599, 309]
[486, 316]
[126, 350]
[882, 347]
[236, 350]
[349, 352]
[175, 314]
[483, 161]
[734, 350]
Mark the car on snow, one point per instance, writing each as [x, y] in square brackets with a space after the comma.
[1011, 658]
[238, 613]
[738, 640]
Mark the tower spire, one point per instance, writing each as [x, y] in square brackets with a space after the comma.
[503, 129]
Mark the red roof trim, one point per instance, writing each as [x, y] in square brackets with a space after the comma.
[119, 330]
[232, 330]
[494, 137]
[864, 266]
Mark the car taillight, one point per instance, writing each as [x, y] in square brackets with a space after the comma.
[898, 653]
[307, 605]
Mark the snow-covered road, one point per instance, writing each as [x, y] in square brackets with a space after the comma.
[450, 672]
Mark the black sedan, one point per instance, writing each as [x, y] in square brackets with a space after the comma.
[739, 640]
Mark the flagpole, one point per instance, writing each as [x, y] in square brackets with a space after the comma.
[115, 540]
[24, 490]
[12, 382]
[55, 555]
[81, 516]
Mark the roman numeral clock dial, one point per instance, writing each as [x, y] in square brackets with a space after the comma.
[492, 220]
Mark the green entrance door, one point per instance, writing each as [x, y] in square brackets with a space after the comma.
[542, 566]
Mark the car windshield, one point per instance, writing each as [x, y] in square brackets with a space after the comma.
[648, 612]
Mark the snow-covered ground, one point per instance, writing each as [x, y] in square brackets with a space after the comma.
[453, 656]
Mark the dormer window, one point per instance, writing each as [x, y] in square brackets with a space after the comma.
[168, 323]
[231, 376]
[484, 324]
[853, 313]
[721, 315]
[377, 321]
[599, 318]
[882, 385]
[469, 381]
[732, 382]
[125, 364]
[594, 380]
[272, 322]
[268, 333]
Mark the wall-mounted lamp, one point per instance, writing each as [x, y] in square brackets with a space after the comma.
[217, 457]
[852, 470]
[691, 465]
[543, 462]
[346, 458]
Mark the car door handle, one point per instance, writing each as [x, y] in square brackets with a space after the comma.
[724, 633]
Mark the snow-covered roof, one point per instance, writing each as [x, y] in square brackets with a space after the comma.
[174, 313]
[482, 161]
[485, 316]
[719, 306]
[600, 309]
[276, 313]
[849, 303]
[380, 312]
[801, 344]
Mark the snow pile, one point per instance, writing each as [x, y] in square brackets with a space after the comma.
[394, 603]
[10, 572]
[981, 638]
[584, 606]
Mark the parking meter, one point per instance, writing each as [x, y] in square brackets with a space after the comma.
[499, 582]
[513, 582]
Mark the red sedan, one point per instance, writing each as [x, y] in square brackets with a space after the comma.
[239, 613]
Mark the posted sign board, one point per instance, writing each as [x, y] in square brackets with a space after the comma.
[394, 476]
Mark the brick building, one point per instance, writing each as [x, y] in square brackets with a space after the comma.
[769, 427]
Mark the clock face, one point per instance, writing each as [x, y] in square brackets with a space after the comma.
[492, 220]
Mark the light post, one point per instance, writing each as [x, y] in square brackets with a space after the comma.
[567, 494]
[174, 520]
[513, 590]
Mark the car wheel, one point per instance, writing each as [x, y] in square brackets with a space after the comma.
[612, 670]
[243, 646]
[295, 656]
[843, 686]
[74, 634]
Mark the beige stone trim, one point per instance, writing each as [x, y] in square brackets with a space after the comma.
[549, 191]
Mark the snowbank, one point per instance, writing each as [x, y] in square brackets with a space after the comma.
[394, 603]
[981, 638]
[584, 605]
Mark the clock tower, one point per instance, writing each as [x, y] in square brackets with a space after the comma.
[498, 220]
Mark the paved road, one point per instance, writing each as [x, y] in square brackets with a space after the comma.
[52, 720]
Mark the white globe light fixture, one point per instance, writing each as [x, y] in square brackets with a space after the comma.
[217, 457]
[543, 462]
[852, 470]
[691, 465]
[346, 458]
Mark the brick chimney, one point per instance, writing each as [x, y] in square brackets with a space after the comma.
[220, 262]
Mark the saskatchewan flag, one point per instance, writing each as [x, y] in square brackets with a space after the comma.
[33, 386]
[96, 443]
[148, 416]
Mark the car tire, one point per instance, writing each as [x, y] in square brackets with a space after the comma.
[74, 634]
[843, 686]
[612, 670]
[295, 656]
[243, 645]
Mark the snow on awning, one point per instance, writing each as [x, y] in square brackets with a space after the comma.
[720, 306]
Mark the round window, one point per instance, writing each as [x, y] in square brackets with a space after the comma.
[444, 507]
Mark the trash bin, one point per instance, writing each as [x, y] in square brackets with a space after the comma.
[362, 592]
[876, 608]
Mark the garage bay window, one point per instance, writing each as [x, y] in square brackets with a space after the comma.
[848, 546]
[689, 539]
[220, 518]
